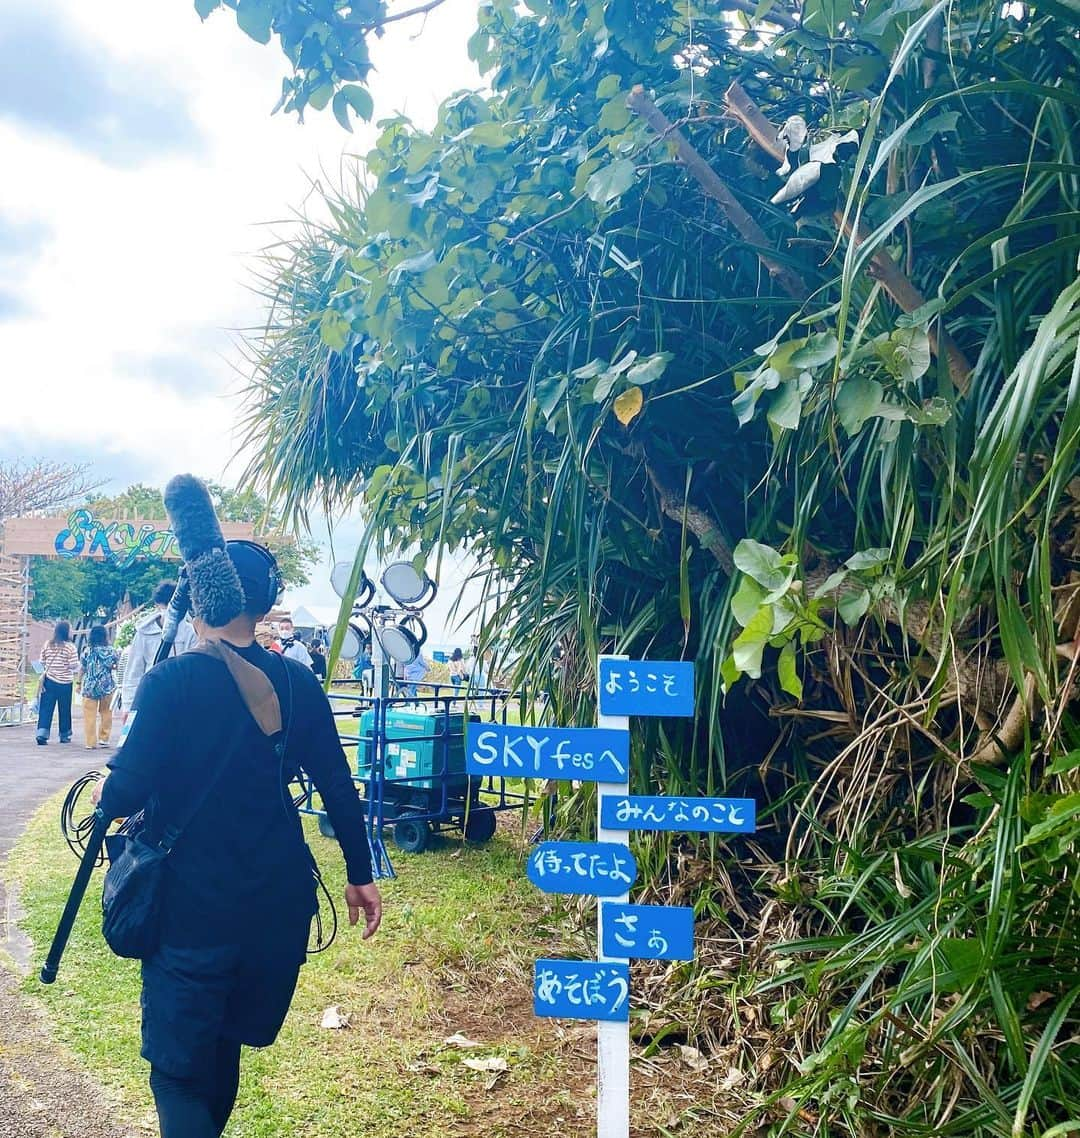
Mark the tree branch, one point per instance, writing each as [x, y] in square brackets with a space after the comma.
[675, 506]
[420, 10]
[882, 267]
[748, 229]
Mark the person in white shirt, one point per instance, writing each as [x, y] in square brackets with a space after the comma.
[291, 645]
[144, 646]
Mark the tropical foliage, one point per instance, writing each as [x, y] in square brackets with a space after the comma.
[829, 453]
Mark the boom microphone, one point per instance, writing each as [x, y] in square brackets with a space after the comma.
[216, 593]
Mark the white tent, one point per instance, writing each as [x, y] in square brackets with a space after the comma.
[310, 617]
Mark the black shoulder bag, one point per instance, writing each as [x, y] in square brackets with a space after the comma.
[131, 899]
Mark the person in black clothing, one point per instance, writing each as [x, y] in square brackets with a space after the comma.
[318, 659]
[239, 893]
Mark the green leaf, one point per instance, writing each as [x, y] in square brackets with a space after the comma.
[205, 7]
[944, 122]
[867, 559]
[764, 564]
[729, 673]
[852, 606]
[590, 370]
[255, 18]
[785, 411]
[491, 134]
[746, 600]
[649, 368]
[334, 330]
[833, 581]
[750, 644]
[963, 955]
[608, 87]
[359, 101]
[858, 400]
[420, 263]
[611, 181]
[934, 412]
[788, 671]
[818, 349]
[604, 385]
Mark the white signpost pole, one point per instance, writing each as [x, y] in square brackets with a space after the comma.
[612, 1039]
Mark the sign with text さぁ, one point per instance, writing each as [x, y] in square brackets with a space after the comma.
[590, 754]
[646, 687]
[582, 989]
[703, 815]
[647, 932]
[599, 869]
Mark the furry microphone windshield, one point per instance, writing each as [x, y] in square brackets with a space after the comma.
[216, 594]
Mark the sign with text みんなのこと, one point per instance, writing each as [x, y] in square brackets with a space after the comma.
[588, 754]
[692, 815]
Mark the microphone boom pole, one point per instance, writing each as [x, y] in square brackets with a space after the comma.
[78, 889]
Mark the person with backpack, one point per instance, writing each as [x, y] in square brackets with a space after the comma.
[59, 661]
[98, 669]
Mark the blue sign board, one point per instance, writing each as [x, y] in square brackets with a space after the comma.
[591, 754]
[647, 932]
[710, 815]
[582, 989]
[646, 687]
[599, 869]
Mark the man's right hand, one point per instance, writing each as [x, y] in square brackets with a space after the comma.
[364, 897]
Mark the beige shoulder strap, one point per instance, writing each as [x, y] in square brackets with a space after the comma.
[254, 685]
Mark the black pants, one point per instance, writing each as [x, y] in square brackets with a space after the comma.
[54, 695]
[199, 1106]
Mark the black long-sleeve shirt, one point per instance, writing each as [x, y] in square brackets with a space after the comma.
[242, 859]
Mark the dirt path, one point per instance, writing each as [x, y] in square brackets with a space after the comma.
[43, 1094]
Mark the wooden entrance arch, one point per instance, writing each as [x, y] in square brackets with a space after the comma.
[76, 535]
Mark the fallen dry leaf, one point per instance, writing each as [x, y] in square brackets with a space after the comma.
[693, 1058]
[459, 1040]
[333, 1019]
[491, 1063]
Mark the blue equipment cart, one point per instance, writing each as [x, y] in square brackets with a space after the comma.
[409, 762]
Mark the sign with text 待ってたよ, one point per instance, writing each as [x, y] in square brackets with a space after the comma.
[646, 687]
[589, 754]
[599, 869]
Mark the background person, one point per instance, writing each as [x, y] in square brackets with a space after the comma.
[239, 893]
[318, 659]
[459, 672]
[60, 661]
[98, 667]
[145, 644]
[412, 674]
[292, 647]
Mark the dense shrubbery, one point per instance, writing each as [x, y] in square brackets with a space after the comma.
[838, 471]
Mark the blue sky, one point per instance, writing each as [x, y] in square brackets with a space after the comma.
[142, 173]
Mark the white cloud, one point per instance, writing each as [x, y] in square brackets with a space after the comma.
[121, 281]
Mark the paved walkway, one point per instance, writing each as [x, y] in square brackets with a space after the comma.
[43, 1094]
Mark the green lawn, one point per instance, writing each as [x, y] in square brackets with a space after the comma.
[461, 929]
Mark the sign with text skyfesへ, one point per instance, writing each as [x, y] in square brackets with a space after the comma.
[590, 754]
[582, 989]
[693, 815]
[600, 869]
[646, 687]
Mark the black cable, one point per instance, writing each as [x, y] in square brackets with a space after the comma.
[77, 831]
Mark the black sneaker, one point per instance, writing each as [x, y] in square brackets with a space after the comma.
[42, 742]
[65, 738]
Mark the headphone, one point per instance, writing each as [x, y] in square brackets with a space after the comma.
[274, 583]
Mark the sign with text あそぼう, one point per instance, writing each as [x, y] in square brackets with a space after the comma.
[646, 687]
[589, 754]
[599, 869]
[582, 989]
